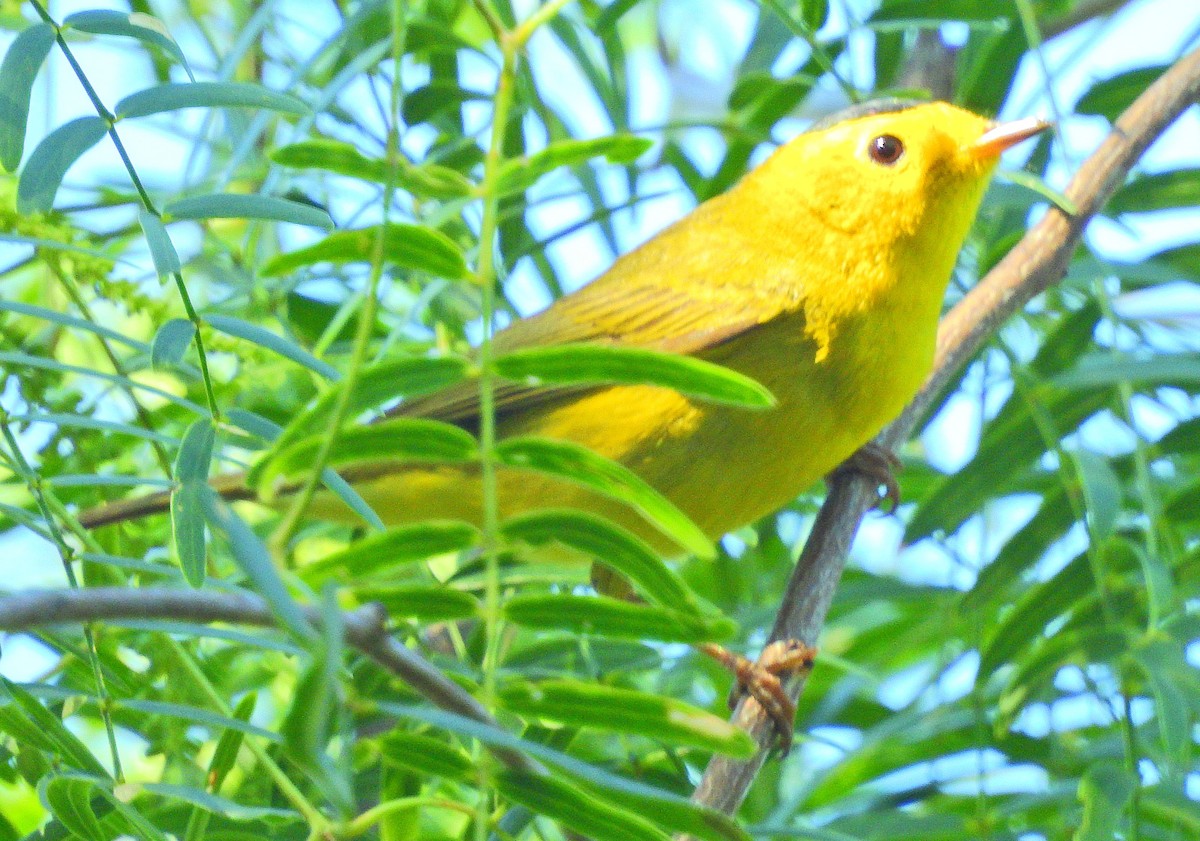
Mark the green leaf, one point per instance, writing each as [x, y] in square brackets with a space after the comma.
[24, 718]
[1106, 370]
[1104, 792]
[145, 28]
[1101, 493]
[272, 341]
[270, 431]
[1037, 184]
[426, 755]
[170, 343]
[580, 704]
[1171, 808]
[608, 543]
[175, 96]
[377, 384]
[1165, 666]
[396, 441]
[162, 250]
[187, 512]
[1177, 188]
[380, 554]
[21, 65]
[1109, 97]
[49, 162]
[814, 13]
[580, 465]
[69, 799]
[519, 174]
[428, 603]
[241, 206]
[408, 246]
[616, 618]
[309, 723]
[254, 559]
[670, 810]
[583, 363]
[430, 180]
[575, 808]
[218, 805]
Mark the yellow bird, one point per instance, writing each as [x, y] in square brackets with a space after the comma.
[820, 275]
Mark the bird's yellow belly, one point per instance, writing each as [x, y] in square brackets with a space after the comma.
[724, 466]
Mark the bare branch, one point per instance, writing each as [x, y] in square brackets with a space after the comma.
[1039, 260]
[366, 630]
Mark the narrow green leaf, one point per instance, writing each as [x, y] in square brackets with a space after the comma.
[1109, 97]
[309, 722]
[187, 512]
[170, 343]
[24, 718]
[575, 808]
[145, 28]
[583, 363]
[69, 799]
[1037, 184]
[254, 559]
[428, 603]
[814, 13]
[377, 384]
[580, 704]
[426, 755]
[49, 162]
[1170, 676]
[396, 441]
[67, 320]
[521, 173]
[379, 554]
[242, 206]
[1171, 808]
[407, 246]
[1104, 791]
[272, 341]
[608, 617]
[218, 805]
[671, 811]
[269, 431]
[1106, 370]
[162, 250]
[21, 65]
[174, 96]
[609, 543]
[580, 465]
[1176, 188]
[197, 715]
[1101, 493]
[431, 180]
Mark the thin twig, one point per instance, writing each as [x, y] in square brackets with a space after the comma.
[366, 630]
[1039, 260]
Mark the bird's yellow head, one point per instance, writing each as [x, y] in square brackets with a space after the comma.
[893, 167]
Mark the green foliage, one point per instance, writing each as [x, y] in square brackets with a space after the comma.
[1024, 667]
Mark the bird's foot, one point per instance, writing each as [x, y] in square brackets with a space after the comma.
[878, 463]
[763, 681]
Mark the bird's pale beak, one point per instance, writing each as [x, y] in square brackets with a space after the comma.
[1003, 135]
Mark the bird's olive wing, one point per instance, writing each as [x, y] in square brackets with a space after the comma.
[685, 320]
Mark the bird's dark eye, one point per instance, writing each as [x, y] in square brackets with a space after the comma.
[885, 149]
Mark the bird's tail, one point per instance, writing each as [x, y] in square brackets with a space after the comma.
[231, 486]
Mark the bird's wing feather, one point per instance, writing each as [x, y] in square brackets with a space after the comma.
[683, 319]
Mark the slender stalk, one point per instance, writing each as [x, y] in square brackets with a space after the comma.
[66, 554]
[147, 202]
[370, 306]
[317, 822]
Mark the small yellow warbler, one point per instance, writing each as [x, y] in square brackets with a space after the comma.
[820, 275]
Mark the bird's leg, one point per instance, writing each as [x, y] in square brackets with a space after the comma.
[763, 681]
[878, 463]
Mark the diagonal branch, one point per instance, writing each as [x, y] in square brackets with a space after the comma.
[365, 628]
[1038, 261]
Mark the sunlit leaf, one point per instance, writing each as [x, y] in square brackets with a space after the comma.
[50, 160]
[408, 246]
[21, 65]
[173, 96]
[242, 206]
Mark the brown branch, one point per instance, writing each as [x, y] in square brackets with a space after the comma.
[365, 629]
[1039, 260]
